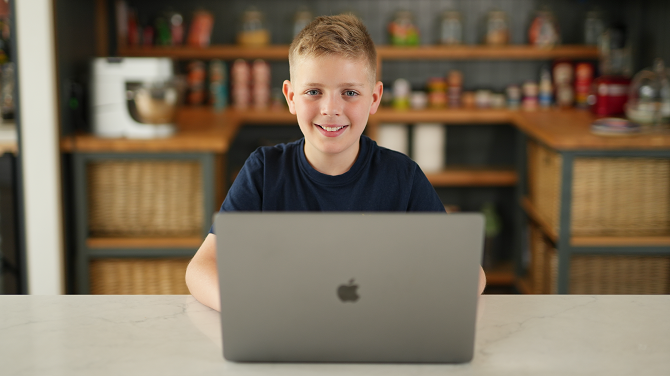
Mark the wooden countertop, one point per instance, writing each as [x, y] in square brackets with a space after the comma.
[200, 129]
[571, 130]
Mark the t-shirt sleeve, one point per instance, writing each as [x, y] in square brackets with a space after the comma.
[423, 197]
[246, 192]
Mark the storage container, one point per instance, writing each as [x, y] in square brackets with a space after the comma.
[597, 274]
[134, 276]
[145, 198]
[621, 196]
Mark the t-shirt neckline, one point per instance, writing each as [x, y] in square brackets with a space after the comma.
[343, 179]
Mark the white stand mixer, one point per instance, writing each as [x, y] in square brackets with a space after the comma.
[124, 101]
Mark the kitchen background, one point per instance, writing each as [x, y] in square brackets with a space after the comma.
[85, 29]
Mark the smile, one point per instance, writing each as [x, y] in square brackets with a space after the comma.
[332, 128]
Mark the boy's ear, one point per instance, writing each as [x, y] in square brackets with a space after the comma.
[287, 89]
[376, 97]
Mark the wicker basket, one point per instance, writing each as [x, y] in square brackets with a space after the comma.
[610, 196]
[145, 198]
[596, 274]
[138, 276]
[537, 271]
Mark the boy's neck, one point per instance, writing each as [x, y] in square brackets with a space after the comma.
[332, 164]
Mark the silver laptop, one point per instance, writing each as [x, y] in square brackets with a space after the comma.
[349, 287]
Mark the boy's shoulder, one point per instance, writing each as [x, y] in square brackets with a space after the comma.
[277, 151]
[389, 157]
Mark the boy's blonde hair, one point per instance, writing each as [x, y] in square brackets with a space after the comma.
[343, 35]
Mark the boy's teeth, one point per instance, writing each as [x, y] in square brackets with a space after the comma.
[332, 129]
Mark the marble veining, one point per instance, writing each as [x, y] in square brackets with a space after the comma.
[176, 335]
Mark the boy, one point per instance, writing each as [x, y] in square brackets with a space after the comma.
[332, 92]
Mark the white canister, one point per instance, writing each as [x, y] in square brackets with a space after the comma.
[394, 137]
[429, 146]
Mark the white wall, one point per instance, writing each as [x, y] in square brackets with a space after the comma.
[39, 146]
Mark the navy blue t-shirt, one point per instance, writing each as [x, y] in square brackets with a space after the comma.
[279, 178]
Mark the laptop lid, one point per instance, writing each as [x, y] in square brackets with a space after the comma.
[349, 287]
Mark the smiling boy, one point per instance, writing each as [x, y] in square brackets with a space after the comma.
[332, 91]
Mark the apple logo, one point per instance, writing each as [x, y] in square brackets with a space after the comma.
[347, 293]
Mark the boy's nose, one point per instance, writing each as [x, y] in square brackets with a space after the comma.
[331, 106]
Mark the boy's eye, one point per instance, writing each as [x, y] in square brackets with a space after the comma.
[312, 92]
[350, 93]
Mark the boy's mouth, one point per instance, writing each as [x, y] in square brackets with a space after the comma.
[331, 130]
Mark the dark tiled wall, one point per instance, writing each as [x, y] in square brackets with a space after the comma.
[377, 13]
[655, 35]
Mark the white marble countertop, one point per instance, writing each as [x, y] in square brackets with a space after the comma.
[175, 335]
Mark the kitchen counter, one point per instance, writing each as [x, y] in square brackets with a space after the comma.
[200, 129]
[176, 335]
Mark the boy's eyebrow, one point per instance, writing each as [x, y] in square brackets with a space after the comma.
[346, 84]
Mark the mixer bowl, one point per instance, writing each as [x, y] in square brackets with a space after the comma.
[153, 102]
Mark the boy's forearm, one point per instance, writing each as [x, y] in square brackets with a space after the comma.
[202, 282]
[482, 280]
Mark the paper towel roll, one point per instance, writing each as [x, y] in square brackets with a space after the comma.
[394, 137]
[428, 146]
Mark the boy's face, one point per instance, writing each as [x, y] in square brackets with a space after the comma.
[332, 97]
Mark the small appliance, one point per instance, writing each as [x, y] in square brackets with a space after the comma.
[133, 97]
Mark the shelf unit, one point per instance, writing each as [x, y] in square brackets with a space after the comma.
[451, 176]
[571, 142]
[280, 52]
[585, 244]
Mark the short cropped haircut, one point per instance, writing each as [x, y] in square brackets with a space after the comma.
[343, 35]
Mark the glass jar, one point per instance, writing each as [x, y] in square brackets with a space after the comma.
[497, 28]
[402, 30]
[649, 96]
[301, 19]
[594, 26]
[252, 30]
[451, 28]
[544, 30]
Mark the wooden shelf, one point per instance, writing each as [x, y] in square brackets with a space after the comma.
[523, 285]
[594, 241]
[280, 52]
[445, 116]
[223, 52]
[164, 242]
[500, 275]
[474, 52]
[473, 177]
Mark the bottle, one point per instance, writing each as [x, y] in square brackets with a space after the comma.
[513, 97]
[544, 30]
[594, 26]
[218, 85]
[451, 28]
[401, 94]
[252, 30]
[437, 92]
[530, 92]
[545, 96]
[454, 88]
[402, 29]
[563, 77]
[497, 28]
[301, 19]
[583, 81]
